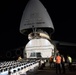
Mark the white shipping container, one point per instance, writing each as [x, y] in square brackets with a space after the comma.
[38, 48]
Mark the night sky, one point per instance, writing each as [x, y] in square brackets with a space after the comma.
[62, 13]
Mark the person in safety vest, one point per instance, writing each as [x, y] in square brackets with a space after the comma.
[69, 61]
[19, 58]
[58, 64]
[51, 61]
[63, 64]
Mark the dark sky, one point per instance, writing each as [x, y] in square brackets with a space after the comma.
[62, 13]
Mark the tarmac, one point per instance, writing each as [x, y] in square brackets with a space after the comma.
[52, 71]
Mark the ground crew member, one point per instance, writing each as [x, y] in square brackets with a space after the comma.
[51, 61]
[63, 64]
[69, 61]
[58, 64]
